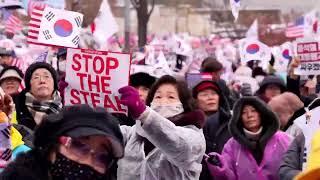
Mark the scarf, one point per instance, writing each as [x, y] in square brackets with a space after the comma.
[39, 109]
[252, 135]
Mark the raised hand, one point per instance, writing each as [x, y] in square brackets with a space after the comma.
[130, 97]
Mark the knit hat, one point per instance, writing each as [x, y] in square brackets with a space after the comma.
[313, 164]
[79, 121]
[203, 85]
[268, 80]
[11, 71]
[141, 79]
[38, 65]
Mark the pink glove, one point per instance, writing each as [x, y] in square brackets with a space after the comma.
[130, 98]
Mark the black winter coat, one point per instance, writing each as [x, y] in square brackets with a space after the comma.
[216, 132]
[24, 117]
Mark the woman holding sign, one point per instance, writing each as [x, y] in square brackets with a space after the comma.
[167, 140]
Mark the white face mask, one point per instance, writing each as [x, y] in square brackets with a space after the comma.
[62, 66]
[168, 110]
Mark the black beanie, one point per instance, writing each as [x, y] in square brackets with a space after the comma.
[38, 65]
[142, 79]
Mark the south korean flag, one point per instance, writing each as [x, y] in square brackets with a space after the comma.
[60, 27]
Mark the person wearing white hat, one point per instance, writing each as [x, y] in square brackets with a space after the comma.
[7, 52]
[10, 80]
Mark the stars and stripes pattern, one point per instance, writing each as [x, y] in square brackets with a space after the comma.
[13, 24]
[35, 4]
[18, 63]
[296, 29]
[42, 27]
[34, 25]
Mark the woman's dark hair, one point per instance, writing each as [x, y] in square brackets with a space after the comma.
[210, 64]
[182, 88]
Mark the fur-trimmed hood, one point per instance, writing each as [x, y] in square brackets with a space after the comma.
[269, 121]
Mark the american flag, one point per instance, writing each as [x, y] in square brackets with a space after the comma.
[296, 29]
[34, 25]
[13, 24]
[35, 4]
[18, 62]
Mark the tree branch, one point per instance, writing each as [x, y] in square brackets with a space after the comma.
[151, 10]
[135, 3]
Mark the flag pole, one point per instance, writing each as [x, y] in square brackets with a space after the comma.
[127, 26]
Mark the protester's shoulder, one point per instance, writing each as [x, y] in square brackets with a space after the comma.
[281, 135]
[232, 143]
[282, 138]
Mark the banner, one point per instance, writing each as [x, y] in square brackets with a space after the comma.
[57, 27]
[94, 78]
[308, 50]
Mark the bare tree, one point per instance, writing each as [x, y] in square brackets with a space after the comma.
[143, 15]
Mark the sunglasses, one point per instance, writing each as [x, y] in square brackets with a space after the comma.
[82, 150]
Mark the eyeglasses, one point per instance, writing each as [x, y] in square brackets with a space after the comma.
[39, 78]
[82, 150]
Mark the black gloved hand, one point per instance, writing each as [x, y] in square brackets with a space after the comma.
[214, 160]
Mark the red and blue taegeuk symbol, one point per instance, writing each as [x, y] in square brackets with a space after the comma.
[63, 28]
[253, 48]
[286, 54]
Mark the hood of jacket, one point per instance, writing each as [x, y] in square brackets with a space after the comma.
[269, 121]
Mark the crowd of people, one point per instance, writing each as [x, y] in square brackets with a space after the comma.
[241, 128]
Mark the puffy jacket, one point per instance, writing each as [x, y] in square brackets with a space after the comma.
[239, 156]
[292, 160]
[177, 152]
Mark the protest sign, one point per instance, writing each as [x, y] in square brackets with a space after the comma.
[309, 123]
[308, 51]
[95, 77]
